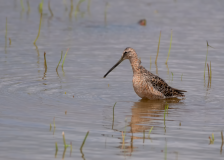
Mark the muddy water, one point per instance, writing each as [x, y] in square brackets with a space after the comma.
[31, 98]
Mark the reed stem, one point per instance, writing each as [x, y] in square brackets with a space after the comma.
[56, 149]
[206, 59]
[158, 48]
[63, 135]
[170, 46]
[64, 58]
[45, 61]
[49, 8]
[83, 143]
[38, 29]
[150, 131]
[210, 74]
[59, 60]
[56, 146]
[6, 30]
[54, 122]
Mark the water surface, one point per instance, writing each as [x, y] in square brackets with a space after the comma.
[31, 98]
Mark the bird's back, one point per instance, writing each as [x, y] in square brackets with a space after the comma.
[160, 85]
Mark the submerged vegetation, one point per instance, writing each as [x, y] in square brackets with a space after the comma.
[165, 112]
[113, 113]
[123, 134]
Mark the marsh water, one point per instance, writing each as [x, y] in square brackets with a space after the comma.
[81, 100]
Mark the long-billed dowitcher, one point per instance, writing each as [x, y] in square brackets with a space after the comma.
[146, 84]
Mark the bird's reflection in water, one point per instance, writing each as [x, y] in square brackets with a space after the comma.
[144, 114]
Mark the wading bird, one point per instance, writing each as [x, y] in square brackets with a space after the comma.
[146, 84]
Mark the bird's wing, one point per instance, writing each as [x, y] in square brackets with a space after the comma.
[160, 85]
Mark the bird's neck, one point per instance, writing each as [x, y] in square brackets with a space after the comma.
[135, 64]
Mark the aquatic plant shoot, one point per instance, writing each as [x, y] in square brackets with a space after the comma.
[83, 143]
[150, 131]
[170, 47]
[38, 29]
[64, 141]
[59, 60]
[158, 48]
[64, 58]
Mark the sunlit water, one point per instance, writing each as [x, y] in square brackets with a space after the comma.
[30, 98]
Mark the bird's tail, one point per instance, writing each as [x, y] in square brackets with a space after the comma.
[178, 93]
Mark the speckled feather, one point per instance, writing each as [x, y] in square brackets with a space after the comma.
[160, 85]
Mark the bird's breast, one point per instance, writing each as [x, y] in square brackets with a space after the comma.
[140, 86]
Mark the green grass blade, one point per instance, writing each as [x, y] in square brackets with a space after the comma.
[64, 58]
[63, 135]
[41, 6]
[170, 46]
[83, 143]
[59, 60]
[38, 29]
[158, 48]
[150, 131]
[206, 60]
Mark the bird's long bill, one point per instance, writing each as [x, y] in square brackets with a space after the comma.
[113, 67]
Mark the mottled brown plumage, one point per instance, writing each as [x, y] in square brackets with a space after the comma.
[146, 84]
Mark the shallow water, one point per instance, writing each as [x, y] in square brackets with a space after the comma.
[31, 98]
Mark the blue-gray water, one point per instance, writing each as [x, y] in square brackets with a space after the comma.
[31, 99]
